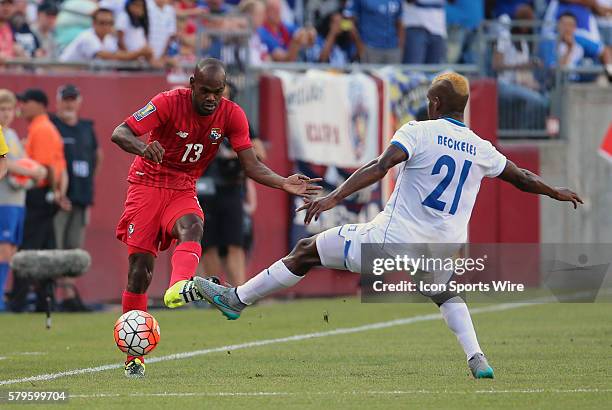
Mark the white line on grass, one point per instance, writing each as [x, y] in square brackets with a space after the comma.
[257, 343]
[335, 393]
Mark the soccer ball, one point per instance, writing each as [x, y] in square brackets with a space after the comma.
[18, 181]
[136, 333]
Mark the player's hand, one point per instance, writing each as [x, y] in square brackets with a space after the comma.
[314, 208]
[301, 185]
[154, 152]
[567, 195]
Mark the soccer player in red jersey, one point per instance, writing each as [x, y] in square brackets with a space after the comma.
[186, 128]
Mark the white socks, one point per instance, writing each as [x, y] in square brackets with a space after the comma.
[268, 281]
[457, 318]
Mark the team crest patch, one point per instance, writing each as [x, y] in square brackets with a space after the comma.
[130, 230]
[215, 134]
[145, 111]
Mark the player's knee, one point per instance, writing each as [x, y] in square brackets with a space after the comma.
[303, 256]
[440, 298]
[191, 230]
[305, 248]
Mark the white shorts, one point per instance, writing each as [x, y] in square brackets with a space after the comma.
[340, 248]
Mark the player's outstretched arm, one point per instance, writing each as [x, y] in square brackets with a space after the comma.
[527, 181]
[127, 141]
[365, 176]
[296, 184]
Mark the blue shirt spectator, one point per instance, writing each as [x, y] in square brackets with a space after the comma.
[376, 21]
[465, 13]
[570, 50]
[284, 41]
[586, 24]
[279, 38]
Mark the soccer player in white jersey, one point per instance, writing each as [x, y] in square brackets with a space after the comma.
[443, 165]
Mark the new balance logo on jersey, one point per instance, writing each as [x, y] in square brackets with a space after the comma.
[215, 135]
[182, 134]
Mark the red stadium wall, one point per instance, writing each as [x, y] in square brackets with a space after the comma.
[515, 219]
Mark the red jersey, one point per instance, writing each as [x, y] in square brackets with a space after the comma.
[190, 140]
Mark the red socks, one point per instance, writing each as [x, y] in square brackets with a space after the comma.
[134, 301]
[185, 261]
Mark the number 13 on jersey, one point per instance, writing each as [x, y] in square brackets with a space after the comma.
[195, 150]
[432, 199]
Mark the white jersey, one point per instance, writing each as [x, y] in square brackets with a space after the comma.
[437, 186]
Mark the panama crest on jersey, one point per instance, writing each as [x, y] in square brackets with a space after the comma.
[130, 230]
[215, 135]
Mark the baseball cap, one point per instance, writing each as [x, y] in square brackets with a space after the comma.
[49, 8]
[68, 91]
[34, 94]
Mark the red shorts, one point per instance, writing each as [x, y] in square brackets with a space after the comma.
[150, 214]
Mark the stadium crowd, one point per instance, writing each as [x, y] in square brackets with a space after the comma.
[167, 32]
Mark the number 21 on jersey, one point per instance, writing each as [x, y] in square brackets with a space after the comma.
[433, 199]
[195, 150]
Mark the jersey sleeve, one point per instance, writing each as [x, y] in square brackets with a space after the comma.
[494, 161]
[238, 130]
[407, 138]
[149, 117]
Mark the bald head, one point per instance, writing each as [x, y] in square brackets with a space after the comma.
[207, 85]
[448, 95]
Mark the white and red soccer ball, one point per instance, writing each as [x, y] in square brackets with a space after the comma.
[136, 333]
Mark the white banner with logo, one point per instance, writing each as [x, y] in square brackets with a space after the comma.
[332, 118]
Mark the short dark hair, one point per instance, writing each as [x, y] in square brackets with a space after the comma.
[101, 10]
[568, 14]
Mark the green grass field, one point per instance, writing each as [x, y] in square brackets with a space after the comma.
[545, 356]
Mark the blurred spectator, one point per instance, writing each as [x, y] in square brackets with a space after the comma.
[570, 50]
[216, 9]
[256, 10]
[508, 7]
[132, 25]
[44, 29]
[219, 7]
[162, 25]
[603, 10]
[463, 17]
[23, 34]
[221, 191]
[338, 43]
[284, 42]
[12, 199]
[116, 6]
[190, 10]
[99, 42]
[8, 47]
[379, 23]
[520, 102]
[425, 22]
[73, 18]
[44, 145]
[83, 157]
[582, 10]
